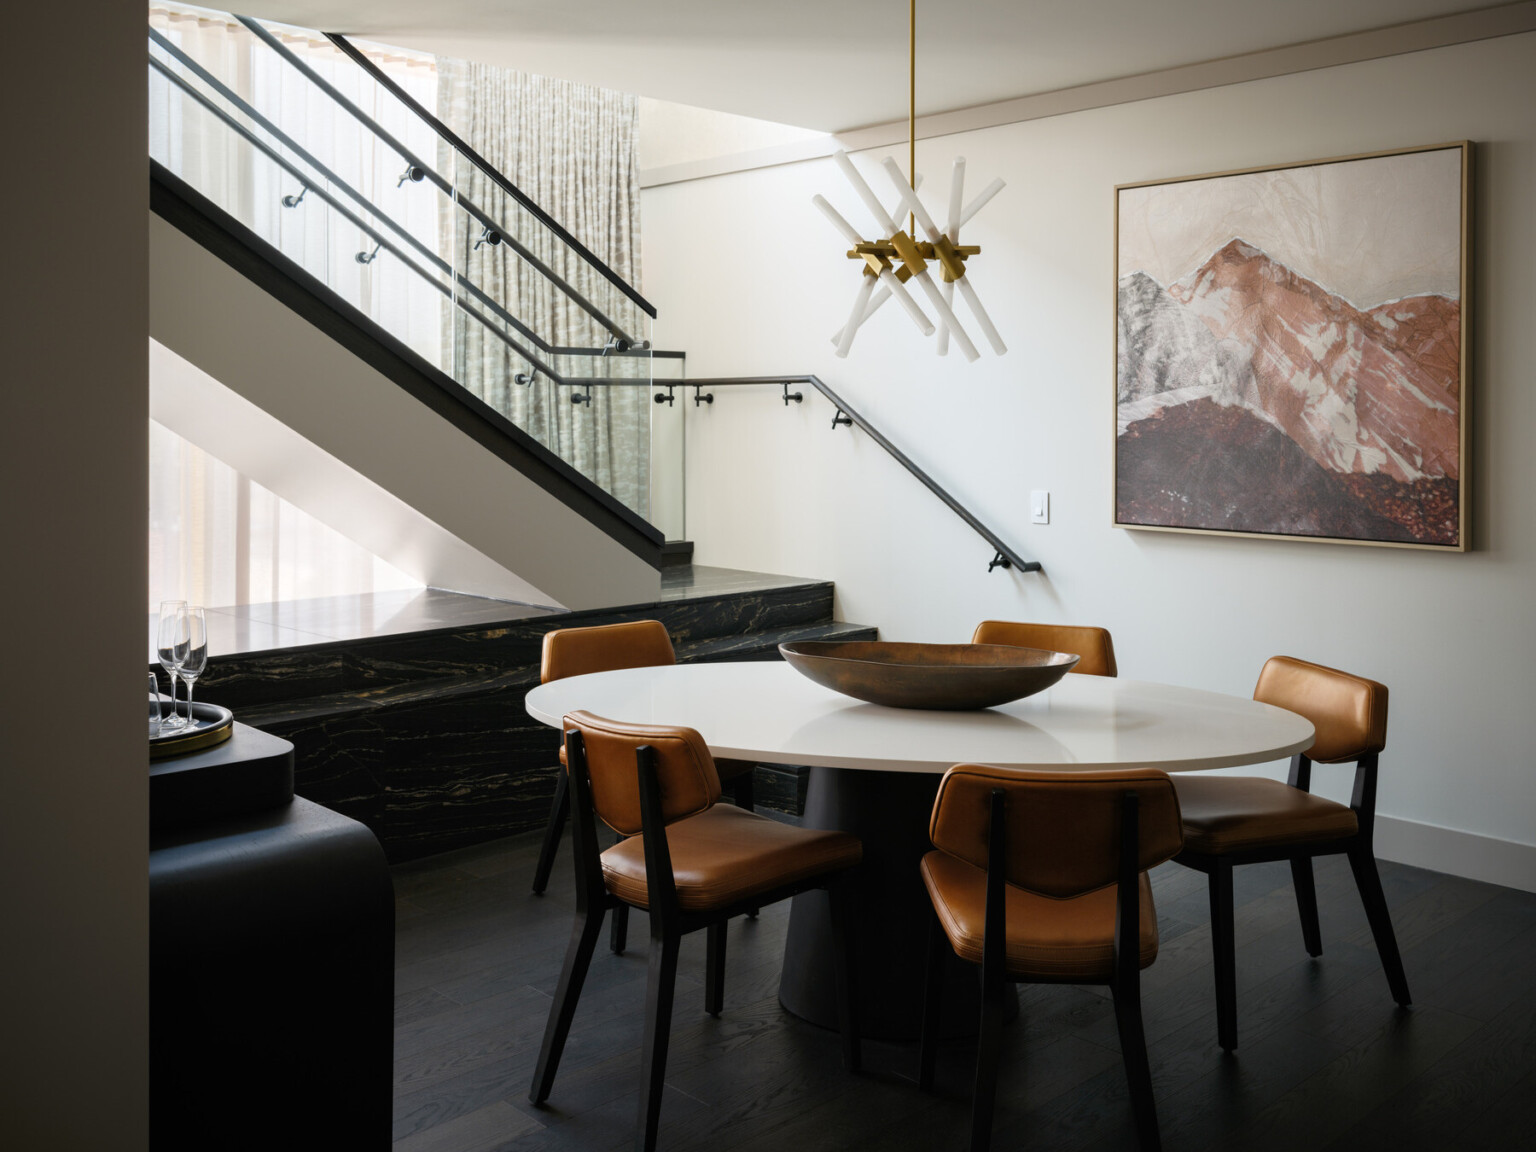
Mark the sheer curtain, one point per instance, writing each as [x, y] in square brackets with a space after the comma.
[573, 149]
[218, 538]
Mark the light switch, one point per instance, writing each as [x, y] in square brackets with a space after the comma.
[1039, 507]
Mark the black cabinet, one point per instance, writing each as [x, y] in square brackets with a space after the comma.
[271, 960]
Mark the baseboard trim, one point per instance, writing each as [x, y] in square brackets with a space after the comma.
[1459, 853]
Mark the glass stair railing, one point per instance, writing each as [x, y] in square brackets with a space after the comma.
[340, 170]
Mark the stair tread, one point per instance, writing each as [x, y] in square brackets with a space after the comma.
[769, 639]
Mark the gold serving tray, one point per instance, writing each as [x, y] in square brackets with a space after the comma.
[214, 726]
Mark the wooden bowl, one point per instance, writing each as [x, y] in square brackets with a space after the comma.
[946, 677]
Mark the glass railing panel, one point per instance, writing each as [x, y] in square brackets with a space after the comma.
[669, 407]
[233, 159]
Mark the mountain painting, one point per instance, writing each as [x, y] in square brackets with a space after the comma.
[1290, 351]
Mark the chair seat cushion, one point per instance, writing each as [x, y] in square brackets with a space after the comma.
[726, 854]
[1226, 814]
[1050, 939]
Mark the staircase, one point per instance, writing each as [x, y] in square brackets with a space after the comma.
[423, 737]
[493, 437]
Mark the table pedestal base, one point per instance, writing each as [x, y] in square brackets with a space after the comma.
[889, 812]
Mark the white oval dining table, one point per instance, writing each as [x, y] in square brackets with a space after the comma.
[768, 712]
[875, 771]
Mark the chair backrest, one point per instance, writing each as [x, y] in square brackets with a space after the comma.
[684, 769]
[1349, 712]
[605, 648]
[1093, 645]
[1063, 828]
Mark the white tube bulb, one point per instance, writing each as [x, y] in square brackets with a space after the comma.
[910, 200]
[977, 204]
[956, 199]
[866, 193]
[849, 232]
[880, 298]
[874, 306]
[931, 290]
[969, 292]
[904, 298]
[855, 317]
[949, 298]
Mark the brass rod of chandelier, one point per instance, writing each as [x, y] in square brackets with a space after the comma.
[912, 106]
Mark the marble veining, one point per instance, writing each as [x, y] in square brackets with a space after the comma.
[422, 735]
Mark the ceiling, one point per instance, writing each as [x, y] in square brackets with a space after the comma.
[842, 64]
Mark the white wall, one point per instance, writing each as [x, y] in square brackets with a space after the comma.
[749, 279]
[73, 469]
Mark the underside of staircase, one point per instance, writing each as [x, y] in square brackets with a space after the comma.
[422, 735]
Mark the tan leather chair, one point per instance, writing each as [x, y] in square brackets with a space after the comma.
[1093, 645]
[605, 648]
[691, 863]
[1041, 877]
[1230, 820]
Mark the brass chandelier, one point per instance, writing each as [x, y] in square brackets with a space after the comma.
[898, 257]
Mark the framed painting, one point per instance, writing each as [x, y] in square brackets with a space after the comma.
[1291, 350]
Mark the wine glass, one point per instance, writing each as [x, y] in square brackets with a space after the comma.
[196, 655]
[156, 710]
[171, 645]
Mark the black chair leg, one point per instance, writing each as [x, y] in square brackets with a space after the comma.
[1306, 903]
[578, 957]
[989, 1042]
[845, 938]
[1363, 862]
[559, 812]
[1224, 952]
[714, 968]
[1133, 1050]
[658, 1028]
[933, 985]
[618, 934]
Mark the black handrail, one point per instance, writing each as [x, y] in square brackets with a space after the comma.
[1006, 557]
[367, 205]
[351, 218]
[480, 162]
[271, 41]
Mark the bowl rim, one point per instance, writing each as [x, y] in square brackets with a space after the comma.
[797, 648]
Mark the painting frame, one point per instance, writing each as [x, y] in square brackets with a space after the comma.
[1420, 521]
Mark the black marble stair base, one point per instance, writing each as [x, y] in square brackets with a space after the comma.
[424, 738]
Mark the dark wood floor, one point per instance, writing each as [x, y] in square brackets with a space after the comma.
[1326, 1060]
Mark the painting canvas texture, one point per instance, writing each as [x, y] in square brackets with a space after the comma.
[1289, 351]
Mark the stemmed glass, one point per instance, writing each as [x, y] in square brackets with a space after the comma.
[171, 645]
[196, 658]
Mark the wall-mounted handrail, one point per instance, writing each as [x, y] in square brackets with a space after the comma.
[314, 162]
[480, 162]
[431, 173]
[351, 217]
[1005, 556]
